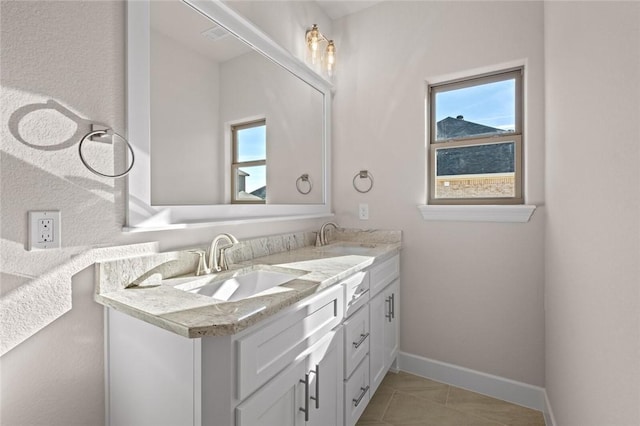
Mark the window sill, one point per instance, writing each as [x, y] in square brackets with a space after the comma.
[482, 213]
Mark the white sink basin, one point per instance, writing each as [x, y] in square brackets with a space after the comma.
[243, 285]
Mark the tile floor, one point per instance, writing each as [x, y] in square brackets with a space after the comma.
[403, 399]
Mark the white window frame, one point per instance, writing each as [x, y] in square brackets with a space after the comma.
[515, 137]
[235, 164]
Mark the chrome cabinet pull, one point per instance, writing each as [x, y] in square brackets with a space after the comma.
[387, 314]
[358, 400]
[317, 397]
[363, 337]
[305, 410]
[393, 305]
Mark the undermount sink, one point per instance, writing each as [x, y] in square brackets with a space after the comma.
[242, 285]
[350, 248]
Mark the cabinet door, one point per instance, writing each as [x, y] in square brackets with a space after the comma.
[278, 402]
[143, 393]
[326, 382]
[384, 338]
[391, 326]
[377, 310]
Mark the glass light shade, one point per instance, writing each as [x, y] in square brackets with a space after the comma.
[313, 40]
[330, 56]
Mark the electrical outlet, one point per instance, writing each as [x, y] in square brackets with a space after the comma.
[363, 211]
[44, 230]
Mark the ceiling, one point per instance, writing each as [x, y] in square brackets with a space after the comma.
[339, 8]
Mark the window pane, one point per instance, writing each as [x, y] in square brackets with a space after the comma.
[251, 183]
[478, 171]
[484, 109]
[252, 143]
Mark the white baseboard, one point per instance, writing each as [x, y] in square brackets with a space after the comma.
[549, 419]
[498, 387]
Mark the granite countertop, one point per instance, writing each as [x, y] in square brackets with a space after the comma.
[194, 315]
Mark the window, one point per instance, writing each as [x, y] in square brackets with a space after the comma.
[249, 163]
[475, 140]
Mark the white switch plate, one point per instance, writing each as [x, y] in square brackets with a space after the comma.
[44, 230]
[363, 211]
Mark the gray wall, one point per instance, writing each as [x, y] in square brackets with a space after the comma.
[473, 292]
[593, 210]
[72, 53]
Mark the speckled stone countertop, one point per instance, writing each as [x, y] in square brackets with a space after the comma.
[144, 287]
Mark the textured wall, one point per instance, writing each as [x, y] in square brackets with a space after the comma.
[473, 291]
[63, 67]
[593, 207]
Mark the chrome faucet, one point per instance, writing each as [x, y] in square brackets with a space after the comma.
[321, 239]
[218, 262]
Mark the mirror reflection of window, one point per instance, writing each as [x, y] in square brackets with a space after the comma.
[249, 163]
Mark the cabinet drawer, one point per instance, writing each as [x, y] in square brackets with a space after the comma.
[356, 289]
[266, 351]
[356, 393]
[356, 340]
[383, 274]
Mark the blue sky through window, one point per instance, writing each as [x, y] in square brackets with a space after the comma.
[491, 104]
[252, 146]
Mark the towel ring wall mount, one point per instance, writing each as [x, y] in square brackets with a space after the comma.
[363, 174]
[97, 133]
[302, 179]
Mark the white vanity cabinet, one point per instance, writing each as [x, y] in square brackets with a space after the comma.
[371, 331]
[156, 377]
[384, 318]
[305, 393]
[316, 363]
[384, 332]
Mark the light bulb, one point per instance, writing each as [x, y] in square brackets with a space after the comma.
[330, 57]
[313, 40]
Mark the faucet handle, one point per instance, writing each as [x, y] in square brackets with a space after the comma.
[202, 262]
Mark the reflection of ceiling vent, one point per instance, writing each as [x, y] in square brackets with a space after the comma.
[216, 33]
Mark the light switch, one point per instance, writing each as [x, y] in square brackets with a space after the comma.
[363, 211]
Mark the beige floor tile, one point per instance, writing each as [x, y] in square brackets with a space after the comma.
[408, 410]
[438, 395]
[378, 404]
[416, 386]
[407, 400]
[493, 409]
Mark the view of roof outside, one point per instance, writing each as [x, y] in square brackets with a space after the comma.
[478, 171]
[491, 104]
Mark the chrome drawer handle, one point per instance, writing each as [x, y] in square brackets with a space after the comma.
[363, 337]
[305, 410]
[393, 306]
[388, 314]
[358, 400]
[317, 397]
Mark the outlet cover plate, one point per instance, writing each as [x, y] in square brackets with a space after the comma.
[44, 230]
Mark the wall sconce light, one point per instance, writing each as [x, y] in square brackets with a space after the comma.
[314, 38]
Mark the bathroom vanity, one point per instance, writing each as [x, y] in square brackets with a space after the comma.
[311, 351]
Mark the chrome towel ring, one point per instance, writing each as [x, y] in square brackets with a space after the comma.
[104, 133]
[300, 180]
[363, 174]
